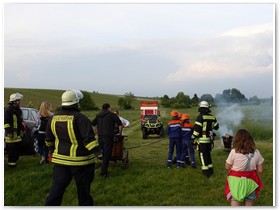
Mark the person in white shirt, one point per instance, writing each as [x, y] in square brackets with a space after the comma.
[125, 122]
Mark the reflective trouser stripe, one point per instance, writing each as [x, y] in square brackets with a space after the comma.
[204, 140]
[12, 164]
[203, 166]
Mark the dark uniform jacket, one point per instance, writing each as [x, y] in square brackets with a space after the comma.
[70, 136]
[106, 122]
[173, 129]
[13, 124]
[205, 122]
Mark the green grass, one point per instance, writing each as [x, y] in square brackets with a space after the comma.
[146, 181]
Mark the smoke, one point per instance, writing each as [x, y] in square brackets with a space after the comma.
[229, 118]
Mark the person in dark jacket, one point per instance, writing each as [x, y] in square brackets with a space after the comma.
[187, 145]
[74, 150]
[14, 128]
[175, 138]
[203, 133]
[45, 114]
[104, 124]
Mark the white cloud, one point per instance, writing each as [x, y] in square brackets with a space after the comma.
[170, 42]
[249, 30]
[226, 56]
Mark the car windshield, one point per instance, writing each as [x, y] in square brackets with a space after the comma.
[25, 114]
[31, 115]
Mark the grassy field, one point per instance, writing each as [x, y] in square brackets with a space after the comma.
[147, 181]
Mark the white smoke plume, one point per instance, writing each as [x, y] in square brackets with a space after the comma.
[229, 118]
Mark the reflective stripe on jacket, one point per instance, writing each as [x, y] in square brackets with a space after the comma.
[174, 129]
[69, 134]
[13, 124]
[205, 123]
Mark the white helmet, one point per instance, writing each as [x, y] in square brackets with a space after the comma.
[15, 96]
[71, 97]
[204, 104]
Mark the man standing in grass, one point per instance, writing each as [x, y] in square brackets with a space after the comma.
[13, 128]
[71, 142]
[105, 121]
[204, 124]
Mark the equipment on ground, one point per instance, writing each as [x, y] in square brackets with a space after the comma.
[227, 140]
[119, 152]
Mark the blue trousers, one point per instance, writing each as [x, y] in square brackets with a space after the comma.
[187, 146]
[174, 142]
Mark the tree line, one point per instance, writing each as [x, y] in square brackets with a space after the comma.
[181, 100]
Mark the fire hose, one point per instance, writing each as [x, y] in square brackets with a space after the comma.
[141, 145]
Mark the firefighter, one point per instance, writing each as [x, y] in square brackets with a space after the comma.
[14, 129]
[74, 150]
[175, 138]
[187, 145]
[203, 136]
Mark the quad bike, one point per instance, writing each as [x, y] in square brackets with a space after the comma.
[150, 124]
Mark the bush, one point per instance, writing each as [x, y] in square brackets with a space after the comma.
[87, 102]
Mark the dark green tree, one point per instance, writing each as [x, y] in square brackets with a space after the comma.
[208, 98]
[254, 100]
[183, 100]
[165, 101]
[195, 100]
[87, 102]
[126, 101]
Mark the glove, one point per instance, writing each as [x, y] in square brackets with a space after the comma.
[98, 154]
[98, 159]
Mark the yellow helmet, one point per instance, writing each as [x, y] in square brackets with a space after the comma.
[71, 97]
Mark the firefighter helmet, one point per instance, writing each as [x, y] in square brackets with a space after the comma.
[71, 97]
[204, 104]
[185, 116]
[15, 96]
[174, 113]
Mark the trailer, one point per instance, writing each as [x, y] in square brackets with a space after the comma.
[149, 115]
[149, 108]
[119, 152]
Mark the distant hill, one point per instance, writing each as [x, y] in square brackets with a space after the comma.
[34, 97]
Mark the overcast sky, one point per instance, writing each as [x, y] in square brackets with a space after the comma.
[145, 49]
